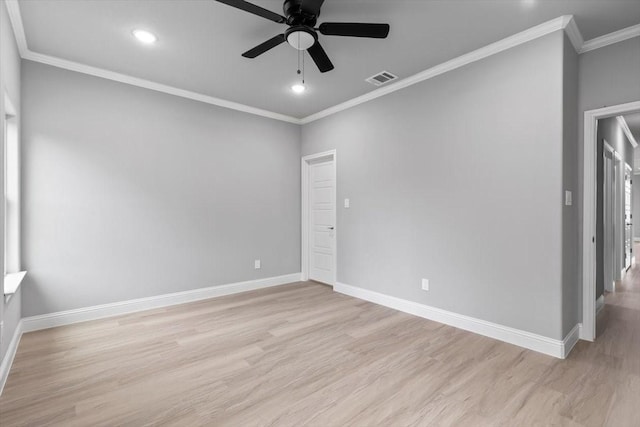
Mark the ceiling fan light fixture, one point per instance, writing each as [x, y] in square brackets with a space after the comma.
[301, 39]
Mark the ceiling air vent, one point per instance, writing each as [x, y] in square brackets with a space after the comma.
[381, 78]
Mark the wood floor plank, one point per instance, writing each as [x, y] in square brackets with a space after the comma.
[302, 355]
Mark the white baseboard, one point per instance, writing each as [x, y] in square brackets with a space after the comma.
[5, 366]
[539, 343]
[68, 317]
[571, 340]
[599, 304]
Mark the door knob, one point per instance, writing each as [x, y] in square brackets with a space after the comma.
[330, 228]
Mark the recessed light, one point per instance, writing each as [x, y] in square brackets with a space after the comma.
[298, 88]
[145, 36]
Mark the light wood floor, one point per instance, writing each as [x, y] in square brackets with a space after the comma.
[300, 354]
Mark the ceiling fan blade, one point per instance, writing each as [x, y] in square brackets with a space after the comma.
[353, 29]
[320, 57]
[312, 7]
[256, 10]
[263, 47]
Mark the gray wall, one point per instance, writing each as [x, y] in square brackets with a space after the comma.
[609, 130]
[130, 193]
[570, 220]
[606, 76]
[126, 191]
[10, 84]
[458, 179]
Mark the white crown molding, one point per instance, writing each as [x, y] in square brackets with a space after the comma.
[476, 55]
[531, 341]
[68, 317]
[625, 128]
[16, 23]
[7, 361]
[573, 32]
[566, 23]
[611, 38]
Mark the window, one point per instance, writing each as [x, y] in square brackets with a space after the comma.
[12, 274]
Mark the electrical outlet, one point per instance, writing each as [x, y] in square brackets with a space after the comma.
[256, 264]
[425, 284]
[347, 203]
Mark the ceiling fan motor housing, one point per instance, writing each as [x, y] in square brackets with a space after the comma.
[297, 15]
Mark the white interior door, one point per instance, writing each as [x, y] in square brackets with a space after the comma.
[322, 214]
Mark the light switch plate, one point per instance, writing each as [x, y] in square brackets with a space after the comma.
[568, 198]
[256, 264]
[425, 284]
[346, 203]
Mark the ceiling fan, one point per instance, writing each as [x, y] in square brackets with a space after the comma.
[301, 17]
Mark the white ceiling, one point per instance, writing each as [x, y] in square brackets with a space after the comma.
[201, 41]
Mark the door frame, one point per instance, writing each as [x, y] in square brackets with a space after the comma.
[591, 117]
[627, 169]
[610, 218]
[305, 211]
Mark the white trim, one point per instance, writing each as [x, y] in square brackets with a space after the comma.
[13, 9]
[9, 109]
[571, 340]
[625, 128]
[611, 38]
[531, 341]
[573, 32]
[68, 317]
[12, 282]
[617, 155]
[476, 55]
[304, 220]
[7, 361]
[599, 304]
[608, 147]
[591, 117]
